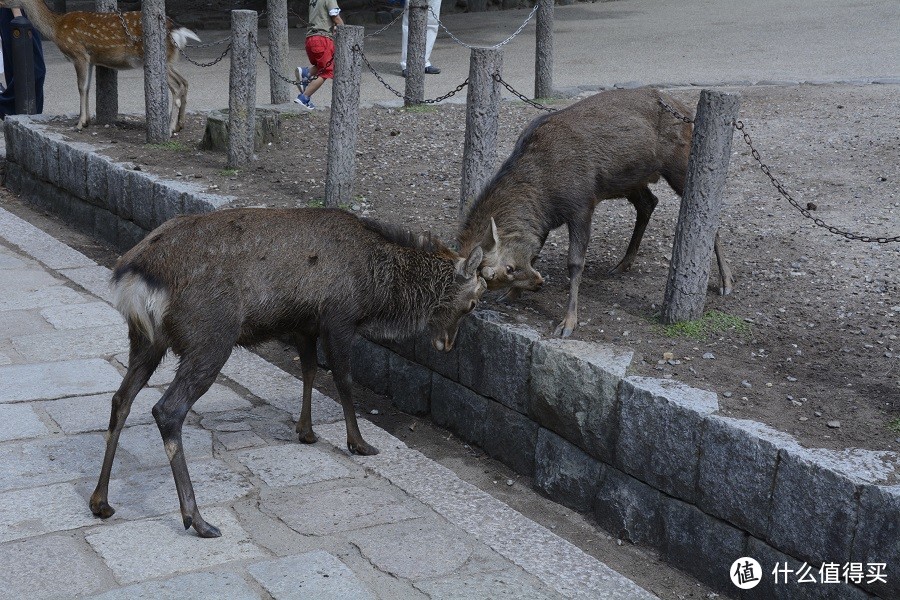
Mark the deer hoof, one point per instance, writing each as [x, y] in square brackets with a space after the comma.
[203, 529]
[361, 448]
[564, 329]
[102, 510]
[307, 437]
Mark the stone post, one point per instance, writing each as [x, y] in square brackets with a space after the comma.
[344, 123]
[156, 86]
[482, 118]
[698, 218]
[280, 90]
[107, 79]
[242, 88]
[25, 100]
[415, 53]
[543, 51]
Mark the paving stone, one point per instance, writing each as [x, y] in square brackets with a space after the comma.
[144, 442]
[512, 439]
[238, 440]
[14, 322]
[291, 464]
[877, 537]
[56, 295]
[55, 566]
[331, 511]
[94, 279]
[410, 385]
[369, 364]
[737, 471]
[512, 584]
[91, 314]
[94, 342]
[398, 549]
[278, 388]
[565, 472]
[814, 508]
[19, 421]
[495, 360]
[141, 550]
[573, 386]
[46, 381]
[91, 413]
[220, 398]
[40, 245]
[196, 586]
[630, 509]
[50, 460]
[5, 359]
[28, 279]
[36, 511]
[459, 409]
[659, 433]
[137, 494]
[9, 260]
[316, 574]
[336, 435]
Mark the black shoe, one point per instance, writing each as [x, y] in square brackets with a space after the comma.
[432, 70]
[403, 73]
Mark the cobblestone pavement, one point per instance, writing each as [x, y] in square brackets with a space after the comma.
[297, 521]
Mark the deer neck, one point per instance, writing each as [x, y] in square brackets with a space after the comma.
[43, 19]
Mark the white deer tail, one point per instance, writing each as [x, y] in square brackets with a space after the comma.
[180, 36]
[142, 306]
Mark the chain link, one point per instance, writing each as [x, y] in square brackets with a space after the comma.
[739, 126]
[402, 96]
[383, 29]
[209, 64]
[495, 46]
[496, 76]
[134, 40]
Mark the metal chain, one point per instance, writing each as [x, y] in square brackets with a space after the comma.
[383, 29]
[402, 96]
[495, 46]
[282, 77]
[209, 64]
[496, 76]
[134, 40]
[739, 126]
[210, 44]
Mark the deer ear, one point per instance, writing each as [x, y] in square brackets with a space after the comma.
[494, 234]
[470, 267]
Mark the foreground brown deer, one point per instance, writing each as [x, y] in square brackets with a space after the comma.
[610, 145]
[112, 40]
[202, 284]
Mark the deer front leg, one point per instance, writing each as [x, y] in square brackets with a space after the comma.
[644, 202]
[83, 70]
[579, 236]
[338, 339]
[306, 349]
[727, 281]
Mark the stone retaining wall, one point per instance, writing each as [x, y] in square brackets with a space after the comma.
[651, 459]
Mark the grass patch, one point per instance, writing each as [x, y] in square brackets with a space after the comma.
[173, 145]
[316, 203]
[894, 425]
[711, 323]
[228, 172]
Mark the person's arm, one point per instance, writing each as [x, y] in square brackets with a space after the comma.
[337, 20]
[17, 12]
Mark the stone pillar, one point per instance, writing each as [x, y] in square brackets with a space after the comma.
[543, 52]
[156, 86]
[242, 88]
[482, 118]
[415, 53]
[107, 79]
[277, 16]
[344, 124]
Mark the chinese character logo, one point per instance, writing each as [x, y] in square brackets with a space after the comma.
[745, 573]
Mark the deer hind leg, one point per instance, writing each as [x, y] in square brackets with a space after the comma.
[196, 373]
[143, 359]
[727, 281]
[83, 70]
[644, 203]
[178, 85]
[306, 349]
[579, 236]
[338, 338]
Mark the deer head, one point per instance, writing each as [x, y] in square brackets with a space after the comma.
[468, 286]
[510, 264]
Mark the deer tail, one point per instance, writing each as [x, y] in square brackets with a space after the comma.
[181, 35]
[141, 303]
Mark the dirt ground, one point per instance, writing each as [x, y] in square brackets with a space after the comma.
[810, 345]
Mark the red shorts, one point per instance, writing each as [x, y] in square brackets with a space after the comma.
[320, 50]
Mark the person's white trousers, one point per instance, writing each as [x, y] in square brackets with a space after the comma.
[431, 30]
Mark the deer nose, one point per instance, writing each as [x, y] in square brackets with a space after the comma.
[538, 280]
[488, 273]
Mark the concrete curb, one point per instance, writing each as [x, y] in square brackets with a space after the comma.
[649, 458]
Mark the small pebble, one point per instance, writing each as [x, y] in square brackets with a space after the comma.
[818, 413]
[791, 379]
[728, 394]
[509, 482]
[746, 384]
[834, 424]
[374, 411]
[803, 419]
[709, 356]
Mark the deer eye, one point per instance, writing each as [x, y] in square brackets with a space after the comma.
[510, 269]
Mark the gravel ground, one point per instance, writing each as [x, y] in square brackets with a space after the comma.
[810, 346]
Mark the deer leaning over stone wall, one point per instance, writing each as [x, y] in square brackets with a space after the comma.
[609, 145]
[112, 40]
[202, 284]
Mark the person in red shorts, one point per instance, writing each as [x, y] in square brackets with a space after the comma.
[324, 16]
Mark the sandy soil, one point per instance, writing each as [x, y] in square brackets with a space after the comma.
[816, 343]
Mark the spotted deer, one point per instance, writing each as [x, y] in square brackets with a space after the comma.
[112, 40]
[609, 145]
[201, 284]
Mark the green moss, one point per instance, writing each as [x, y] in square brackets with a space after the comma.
[316, 203]
[711, 323]
[228, 172]
[894, 425]
[174, 146]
